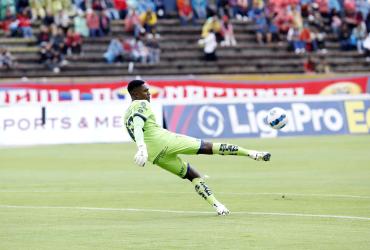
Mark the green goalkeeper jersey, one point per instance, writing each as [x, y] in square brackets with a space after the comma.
[156, 138]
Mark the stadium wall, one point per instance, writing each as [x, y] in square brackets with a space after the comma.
[228, 118]
[13, 93]
[34, 113]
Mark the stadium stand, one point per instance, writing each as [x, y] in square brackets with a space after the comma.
[181, 54]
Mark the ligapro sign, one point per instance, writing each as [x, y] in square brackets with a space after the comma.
[307, 116]
[103, 122]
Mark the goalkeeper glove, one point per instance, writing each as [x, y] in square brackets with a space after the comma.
[141, 156]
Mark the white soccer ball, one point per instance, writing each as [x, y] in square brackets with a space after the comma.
[277, 118]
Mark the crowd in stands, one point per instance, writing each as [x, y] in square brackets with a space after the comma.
[63, 24]
[133, 50]
[306, 25]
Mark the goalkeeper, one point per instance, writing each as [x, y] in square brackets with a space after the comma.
[162, 147]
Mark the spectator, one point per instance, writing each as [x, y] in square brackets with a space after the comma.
[306, 39]
[25, 24]
[48, 19]
[115, 51]
[214, 24]
[242, 10]
[5, 24]
[345, 38]
[80, 24]
[284, 21]
[316, 19]
[272, 29]
[262, 29]
[104, 22]
[44, 35]
[73, 42]
[93, 23]
[154, 50]
[133, 23]
[139, 52]
[350, 17]
[6, 59]
[185, 12]
[359, 34]
[210, 45]
[121, 6]
[149, 22]
[294, 41]
[199, 8]
[62, 20]
[335, 23]
[318, 40]
[227, 32]
[50, 57]
[14, 27]
[58, 40]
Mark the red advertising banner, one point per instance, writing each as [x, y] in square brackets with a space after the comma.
[17, 93]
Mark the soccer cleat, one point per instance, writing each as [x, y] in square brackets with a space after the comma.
[221, 209]
[259, 156]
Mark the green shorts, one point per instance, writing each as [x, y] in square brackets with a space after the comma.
[168, 158]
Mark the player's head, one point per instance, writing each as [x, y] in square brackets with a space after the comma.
[138, 90]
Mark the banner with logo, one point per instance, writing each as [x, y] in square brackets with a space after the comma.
[65, 123]
[358, 116]
[248, 119]
[176, 89]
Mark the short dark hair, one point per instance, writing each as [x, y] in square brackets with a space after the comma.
[134, 84]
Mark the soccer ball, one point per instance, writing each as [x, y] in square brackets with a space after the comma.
[277, 118]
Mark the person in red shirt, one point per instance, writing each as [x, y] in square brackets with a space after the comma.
[73, 42]
[133, 23]
[121, 6]
[93, 22]
[284, 21]
[185, 11]
[305, 37]
[25, 24]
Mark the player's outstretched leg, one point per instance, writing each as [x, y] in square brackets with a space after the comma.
[205, 192]
[231, 149]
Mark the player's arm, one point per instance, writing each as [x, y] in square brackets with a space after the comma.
[142, 154]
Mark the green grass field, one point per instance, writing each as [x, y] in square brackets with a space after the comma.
[314, 194]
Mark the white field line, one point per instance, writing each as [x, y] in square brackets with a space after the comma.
[166, 192]
[144, 210]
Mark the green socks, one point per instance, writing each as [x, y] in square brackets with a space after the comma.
[204, 191]
[229, 149]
